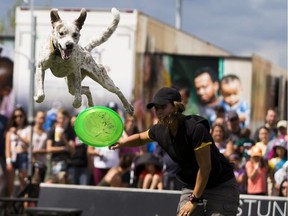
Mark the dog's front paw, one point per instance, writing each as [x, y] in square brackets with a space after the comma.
[39, 98]
[129, 108]
[77, 102]
[90, 103]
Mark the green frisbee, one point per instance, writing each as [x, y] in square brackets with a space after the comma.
[98, 126]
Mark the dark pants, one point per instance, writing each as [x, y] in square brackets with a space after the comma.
[78, 175]
[21, 162]
[220, 201]
[171, 182]
[99, 174]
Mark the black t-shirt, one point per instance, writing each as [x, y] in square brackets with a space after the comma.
[79, 158]
[192, 133]
[63, 155]
[3, 124]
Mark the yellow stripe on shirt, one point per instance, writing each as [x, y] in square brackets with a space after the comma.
[147, 133]
[203, 145]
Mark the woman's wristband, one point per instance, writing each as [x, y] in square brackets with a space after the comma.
[195, 200]
[8, 160]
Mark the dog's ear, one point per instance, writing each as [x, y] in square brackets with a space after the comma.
[81, 19]
[54, 16]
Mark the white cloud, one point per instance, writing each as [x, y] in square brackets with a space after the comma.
[242, 27]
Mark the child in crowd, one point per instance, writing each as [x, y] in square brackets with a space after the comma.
[239, 172]
[151, 177]
[230, 87]
[257, 171]
[280, 149]
[150, 169]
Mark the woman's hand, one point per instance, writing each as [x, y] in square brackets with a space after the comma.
[132, 141]
[187, 209]
[9, 166]
[114, 146]
[13, 130]
[257, 165]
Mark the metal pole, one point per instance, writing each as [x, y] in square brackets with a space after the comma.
[31, 89]
[178, 14]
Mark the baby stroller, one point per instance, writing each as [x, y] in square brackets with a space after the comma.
[138, 165]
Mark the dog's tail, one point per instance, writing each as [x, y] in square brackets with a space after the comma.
[107, 33]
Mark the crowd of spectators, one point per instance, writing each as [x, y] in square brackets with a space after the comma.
[259, 157]
[58, 156]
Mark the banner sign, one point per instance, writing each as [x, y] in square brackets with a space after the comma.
[262, 206]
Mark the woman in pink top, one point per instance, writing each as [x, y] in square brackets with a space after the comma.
[257, 170]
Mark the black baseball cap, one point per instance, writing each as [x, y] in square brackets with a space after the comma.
[164, 96]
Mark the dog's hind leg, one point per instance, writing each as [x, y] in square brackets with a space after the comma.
[100, 76]
[86, 91]
[74, 88]
[40, 74]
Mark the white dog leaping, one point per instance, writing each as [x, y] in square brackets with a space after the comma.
[66, 59]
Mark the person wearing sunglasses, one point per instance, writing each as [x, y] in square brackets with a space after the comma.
[283, 190]
[207, 177]
[16, 152]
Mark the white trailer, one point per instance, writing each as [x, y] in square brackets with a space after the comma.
[136, 34]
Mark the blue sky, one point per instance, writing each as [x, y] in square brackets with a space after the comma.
[241, 27]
